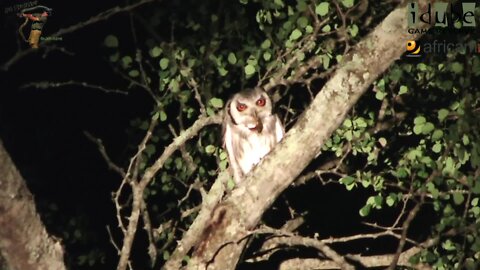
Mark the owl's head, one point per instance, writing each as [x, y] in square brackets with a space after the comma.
[249, 108]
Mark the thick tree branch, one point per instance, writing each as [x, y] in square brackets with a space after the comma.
[24, 242]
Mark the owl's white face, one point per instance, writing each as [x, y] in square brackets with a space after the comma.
[249, 109]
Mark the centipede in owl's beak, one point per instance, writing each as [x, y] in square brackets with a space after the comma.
[257, 126]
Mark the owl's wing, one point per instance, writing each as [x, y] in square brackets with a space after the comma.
[228, 142]
[279, 130]
[226, 116]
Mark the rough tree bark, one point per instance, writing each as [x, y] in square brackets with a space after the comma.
[221, 241]
[24, 242]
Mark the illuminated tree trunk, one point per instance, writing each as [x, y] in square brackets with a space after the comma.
[24, 242]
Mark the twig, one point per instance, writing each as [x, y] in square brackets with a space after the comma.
[185, 155]
[103, 152]
[112, 240]
[406, 225]
[295, 240]
[101, 17]
[46, 85]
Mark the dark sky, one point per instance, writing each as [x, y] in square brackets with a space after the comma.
[43, 128]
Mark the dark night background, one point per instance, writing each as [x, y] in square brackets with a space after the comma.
[43, 129]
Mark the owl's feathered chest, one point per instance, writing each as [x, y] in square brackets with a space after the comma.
[251, 146]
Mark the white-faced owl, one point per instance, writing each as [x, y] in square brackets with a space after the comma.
[250, 130]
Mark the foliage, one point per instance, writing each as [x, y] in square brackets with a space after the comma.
[418, 143]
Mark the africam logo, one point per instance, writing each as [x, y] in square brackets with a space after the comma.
[413, 49]
[37, 15]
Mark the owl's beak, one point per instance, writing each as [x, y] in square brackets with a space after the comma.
[258, 126]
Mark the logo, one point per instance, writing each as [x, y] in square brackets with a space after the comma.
[413, 49]
[441, 16]
[441, 47]
[37, 16]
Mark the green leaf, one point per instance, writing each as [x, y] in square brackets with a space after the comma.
[230, 184]
[360, 122]
[422, 67]
[347, 123]
[111, 41]
[267, 56]
[418, 129]
[456, 67]
[349, 135]
[302, 22]
[133, 73]
[301, 5]
[448, 245]
[378, 201]
[163, 116]
[348, 3]
[266, 44]
[391, 199]
[166, 255]
[427, 128]
[216, 103]
[437, 148]
[279, 3]
[353, 30]
[174, 86]
[364, 211]
[449, 166]
[223, 155]
[465, 139]
[326, 28]
[458, 198]
[322, 9]
[347, 180]
[380, 95]
[296, 34]
[437, 135]
[210, 149]
[164, 63]
[442, 114]
[126, 61]
[232, 59]
[156, 51]
[249, 69]
[222, 71]
[403, 90]
[419, 120]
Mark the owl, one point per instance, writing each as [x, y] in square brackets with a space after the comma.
[250, 130]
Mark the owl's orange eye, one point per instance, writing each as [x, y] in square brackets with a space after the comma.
[241, 107]
[261, 102]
